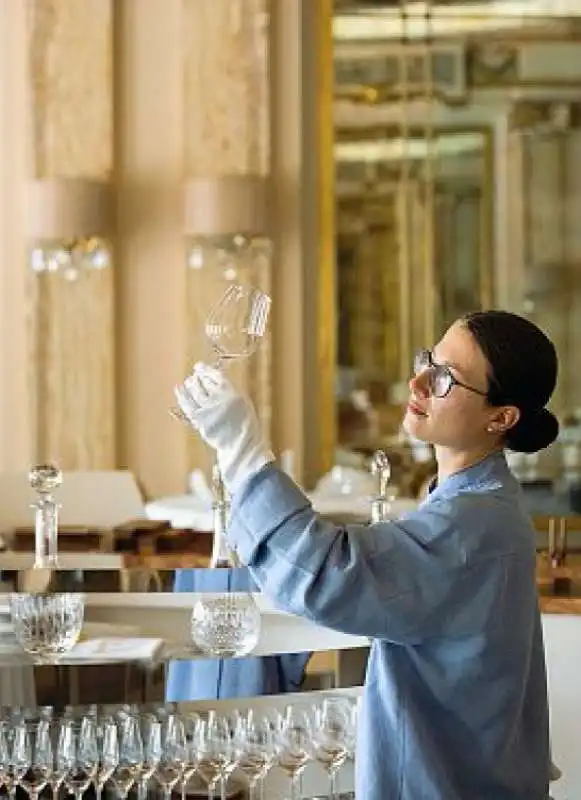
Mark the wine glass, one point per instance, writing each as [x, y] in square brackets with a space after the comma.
[191, 724]
[215, 753]
[108, 740]
[173, 757]
[237, 322]
[293, 746]
[257, 750]
[32, 756]
[330, 742]
[8, 778]
[78, 754]
[234, 327]
[139, 752]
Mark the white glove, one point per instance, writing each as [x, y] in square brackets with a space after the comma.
[226, 420]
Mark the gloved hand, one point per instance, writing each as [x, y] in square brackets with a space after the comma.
[226, 420]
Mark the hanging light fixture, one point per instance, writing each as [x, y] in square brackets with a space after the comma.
[70, 222]
[225, 223]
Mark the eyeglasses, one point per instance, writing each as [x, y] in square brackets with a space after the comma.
[440, 379]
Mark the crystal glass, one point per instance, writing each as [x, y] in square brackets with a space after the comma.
[191, 723]
[217, 752]
[226, 625]
[108, 741]
[46, 626]
[256, 744]
[234, 327]
[330, 739]
[139, 752]
[173, 756]
[32, 756]
[208, 755]
[8, 776]
[237, 323]
[78, 754]
[293, 746]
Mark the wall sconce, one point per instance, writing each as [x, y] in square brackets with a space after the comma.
[69, 222]
[226, 222]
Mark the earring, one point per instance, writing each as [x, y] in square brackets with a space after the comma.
[490, 429]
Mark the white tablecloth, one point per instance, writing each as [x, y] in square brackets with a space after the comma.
[188, 511]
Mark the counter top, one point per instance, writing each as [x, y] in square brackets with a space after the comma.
[556, 600]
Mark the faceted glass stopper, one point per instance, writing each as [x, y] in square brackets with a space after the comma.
[44, 478]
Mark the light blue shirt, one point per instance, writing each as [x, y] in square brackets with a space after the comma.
[455, 697]
[209, 679]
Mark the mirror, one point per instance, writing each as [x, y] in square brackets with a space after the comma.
[456, 159]
[412, 239]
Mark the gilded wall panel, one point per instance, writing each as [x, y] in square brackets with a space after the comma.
[71, 323]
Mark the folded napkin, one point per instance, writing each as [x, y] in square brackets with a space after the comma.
[117, 648]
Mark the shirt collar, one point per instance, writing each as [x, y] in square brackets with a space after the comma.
[488, 475]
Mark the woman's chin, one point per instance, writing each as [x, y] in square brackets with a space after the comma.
[414, 425]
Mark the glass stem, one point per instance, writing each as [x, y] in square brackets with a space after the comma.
[167, 793]
[223, 782]
[332, 785]
[142, 789]
[98, 791]
[295, 787]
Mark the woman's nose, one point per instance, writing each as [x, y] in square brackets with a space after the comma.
[419, 384]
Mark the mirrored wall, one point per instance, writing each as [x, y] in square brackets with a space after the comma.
[457, 186]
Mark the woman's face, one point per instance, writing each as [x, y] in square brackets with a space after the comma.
[462, 420]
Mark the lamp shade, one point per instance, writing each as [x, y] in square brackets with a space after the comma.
[67, 208]
[231, 204]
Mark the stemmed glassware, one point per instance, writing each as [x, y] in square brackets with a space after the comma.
[330, 739]
[78, 754]
[257, 750]
[191, 726]
[38, 750]
[142, 735]
[217, 756]
[237, 323]
[32, 756]
[108, 743]
[130, 754]
[234, 327]
[172, 754]
[293, 745]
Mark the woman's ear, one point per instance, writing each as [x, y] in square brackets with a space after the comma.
[503, 419]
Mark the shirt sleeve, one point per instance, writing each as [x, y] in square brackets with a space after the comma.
[400, 580]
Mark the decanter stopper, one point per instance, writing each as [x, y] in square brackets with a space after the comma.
[44, 479]
[222, 556]
[381, 467]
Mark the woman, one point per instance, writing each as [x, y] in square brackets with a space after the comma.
[455, 699]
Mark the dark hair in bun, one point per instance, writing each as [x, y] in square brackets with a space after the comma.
[523, 373]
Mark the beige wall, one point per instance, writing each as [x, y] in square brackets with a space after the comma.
[146, 94]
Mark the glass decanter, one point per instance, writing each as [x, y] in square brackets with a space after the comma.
[228, 624]
[44, 479]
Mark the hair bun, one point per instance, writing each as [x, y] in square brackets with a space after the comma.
[534, 431]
